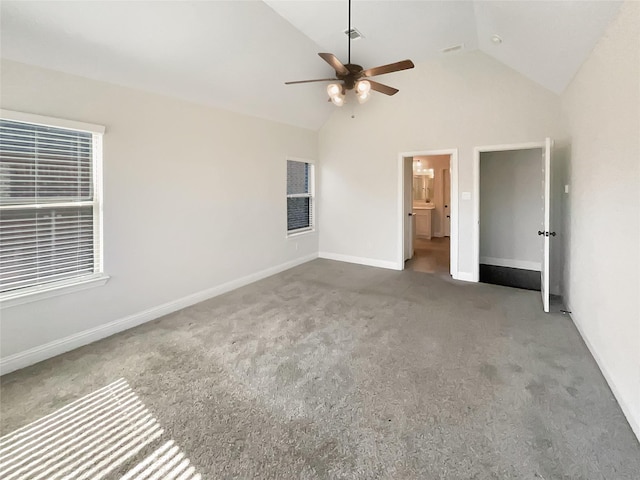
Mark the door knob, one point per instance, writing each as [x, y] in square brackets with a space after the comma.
[540, 233]
[448, 216]
[411, 214]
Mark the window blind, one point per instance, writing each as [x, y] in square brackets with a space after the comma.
[299, 197]
[47, 205]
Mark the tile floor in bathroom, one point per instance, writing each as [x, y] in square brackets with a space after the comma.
[430, 256]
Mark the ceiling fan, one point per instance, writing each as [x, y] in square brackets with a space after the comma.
[353, 76]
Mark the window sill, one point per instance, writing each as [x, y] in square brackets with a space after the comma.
[53, 290]
[300, 233]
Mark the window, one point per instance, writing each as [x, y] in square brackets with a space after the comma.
[49, 203]
[299, 196]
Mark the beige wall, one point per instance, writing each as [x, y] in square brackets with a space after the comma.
[462, 101]
[194, 198]
[603, 247]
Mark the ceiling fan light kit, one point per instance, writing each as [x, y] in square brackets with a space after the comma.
[354, 77]
[337, 92]
[363, 90]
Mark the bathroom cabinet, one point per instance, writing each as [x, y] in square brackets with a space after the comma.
[422, 217]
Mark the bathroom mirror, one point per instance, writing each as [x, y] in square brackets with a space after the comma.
[423, 186]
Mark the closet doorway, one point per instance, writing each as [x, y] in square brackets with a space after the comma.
[512, 213]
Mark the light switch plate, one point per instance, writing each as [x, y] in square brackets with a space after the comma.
[466, 195]
[566, 189]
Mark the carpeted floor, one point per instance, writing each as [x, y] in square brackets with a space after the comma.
[332, 370]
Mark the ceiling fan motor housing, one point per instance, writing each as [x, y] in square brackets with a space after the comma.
[350, 79]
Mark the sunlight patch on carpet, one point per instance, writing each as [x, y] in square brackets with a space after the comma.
[90, 439]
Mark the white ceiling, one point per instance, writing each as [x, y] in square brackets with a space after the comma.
[238, 54]
[392, 30]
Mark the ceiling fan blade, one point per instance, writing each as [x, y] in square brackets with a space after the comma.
[336, 64]
[310, 81]
[392, 67]
[386, 89]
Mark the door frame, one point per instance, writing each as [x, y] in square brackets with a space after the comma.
[402, 214]
[476, 188]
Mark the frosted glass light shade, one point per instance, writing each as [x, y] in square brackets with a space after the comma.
[338, 100]
[363, 97]
[333, 89]
[363, 86]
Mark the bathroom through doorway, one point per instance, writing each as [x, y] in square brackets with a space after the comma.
[430, 214]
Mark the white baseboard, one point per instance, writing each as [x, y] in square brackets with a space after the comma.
[464, 276]
[51, 349]
[634, 423]
[371, 262]
[507, 262]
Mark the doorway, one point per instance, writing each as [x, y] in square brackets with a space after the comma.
[512, 214]
[429, 211]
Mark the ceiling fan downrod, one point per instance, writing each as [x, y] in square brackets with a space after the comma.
[349, 36]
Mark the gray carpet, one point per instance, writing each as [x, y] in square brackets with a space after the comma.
[331, 370]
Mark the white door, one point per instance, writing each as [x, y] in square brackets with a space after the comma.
[446, 178]
[408, 208]
[546, 228]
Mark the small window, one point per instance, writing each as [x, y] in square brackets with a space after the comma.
[299, 196]
[49, 204]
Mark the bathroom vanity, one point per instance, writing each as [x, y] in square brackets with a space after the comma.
[422, 219]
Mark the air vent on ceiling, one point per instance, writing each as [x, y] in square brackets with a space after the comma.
[354, 34]
[454, 48]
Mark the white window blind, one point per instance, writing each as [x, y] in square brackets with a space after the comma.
[299, 196]
[49, 205]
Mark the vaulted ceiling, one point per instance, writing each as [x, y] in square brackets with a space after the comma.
[237, 54]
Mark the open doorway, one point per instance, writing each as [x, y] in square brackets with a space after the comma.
[512, 213]
[431, 198]
[429, 211]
